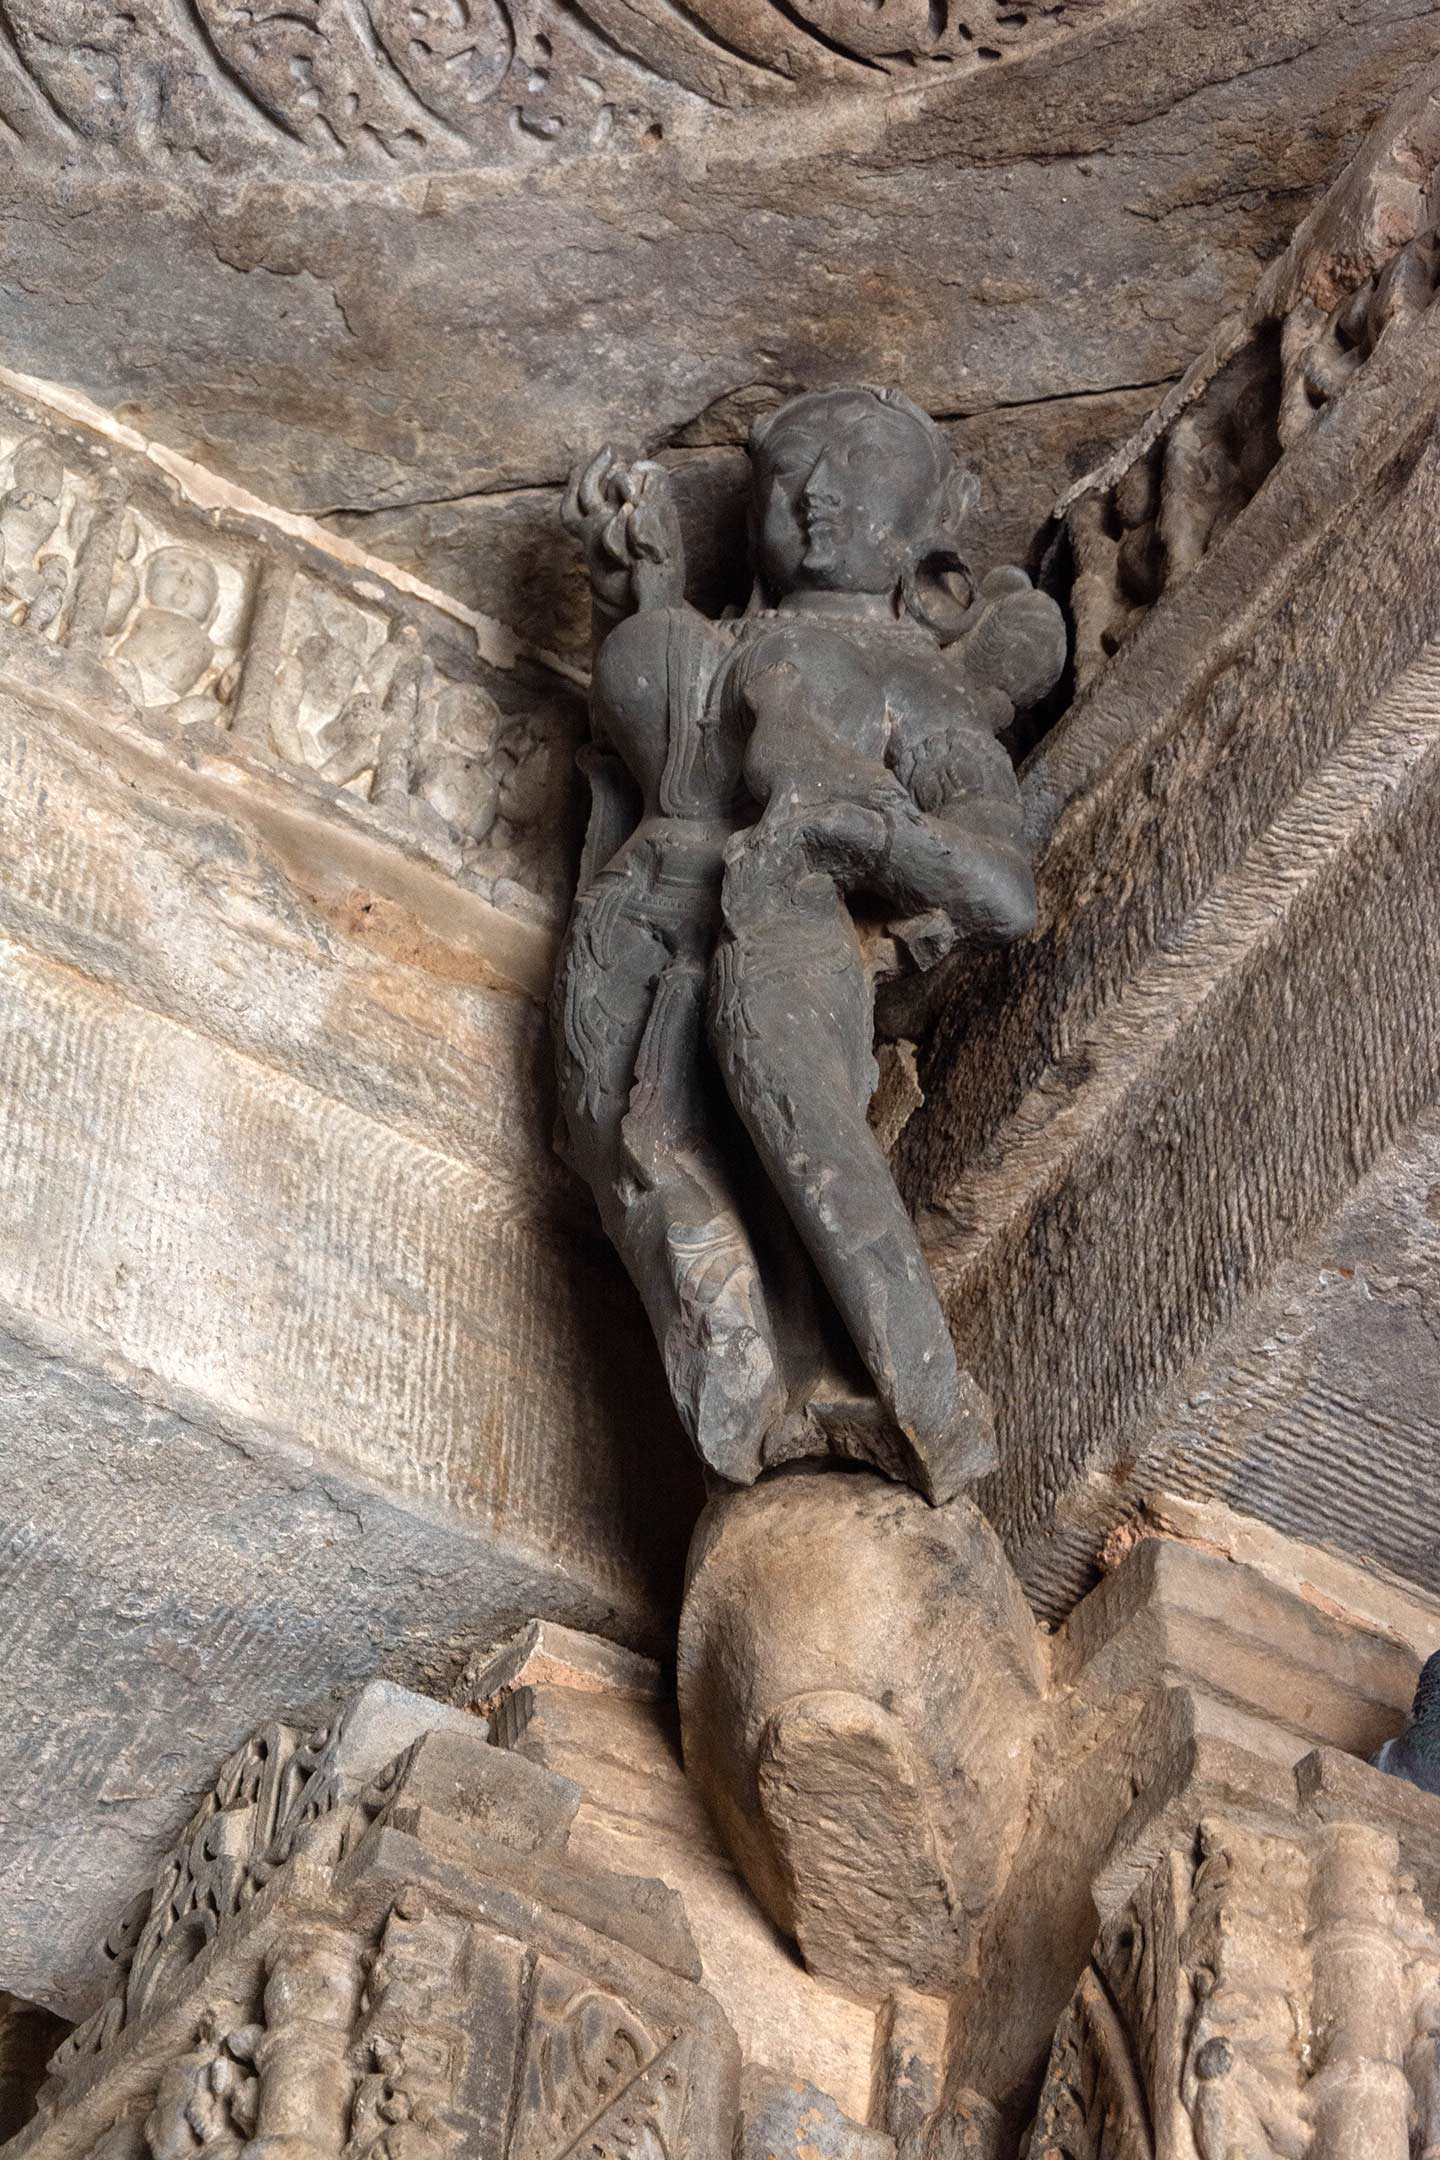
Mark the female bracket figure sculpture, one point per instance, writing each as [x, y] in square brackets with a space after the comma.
[766, 791]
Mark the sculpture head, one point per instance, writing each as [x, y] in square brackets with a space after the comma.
[36, 469]
[182, 583]
[852, 489]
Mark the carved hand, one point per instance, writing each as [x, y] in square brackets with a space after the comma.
[981, 879]
[763, 865]
[624, 516]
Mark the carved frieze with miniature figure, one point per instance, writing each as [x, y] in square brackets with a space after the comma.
[208, 624]
[1262, 1996]
[1367, 258]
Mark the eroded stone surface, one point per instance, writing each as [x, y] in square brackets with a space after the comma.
[859, 1682]
[605, 1719]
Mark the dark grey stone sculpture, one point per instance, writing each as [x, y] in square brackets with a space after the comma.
[780, 801]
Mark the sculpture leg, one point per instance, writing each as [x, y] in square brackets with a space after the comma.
[631, 1061]
[791, 1022]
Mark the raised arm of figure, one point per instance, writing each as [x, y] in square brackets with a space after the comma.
[623, 513]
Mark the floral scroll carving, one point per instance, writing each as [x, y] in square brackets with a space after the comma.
[376, 84]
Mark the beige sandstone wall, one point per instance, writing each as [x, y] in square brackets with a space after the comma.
[300, 1321]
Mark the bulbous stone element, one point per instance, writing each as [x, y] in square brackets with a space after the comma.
[859, 1680]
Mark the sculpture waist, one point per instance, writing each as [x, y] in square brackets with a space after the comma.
[671, 865]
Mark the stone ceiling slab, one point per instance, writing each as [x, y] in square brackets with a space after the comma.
[393, 282]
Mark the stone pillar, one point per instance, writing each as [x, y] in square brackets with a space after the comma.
[312, 1993]
[1359, 2098]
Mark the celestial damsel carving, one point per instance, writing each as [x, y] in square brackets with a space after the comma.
[784, 805]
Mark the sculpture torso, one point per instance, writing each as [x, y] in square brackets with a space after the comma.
[675, 696]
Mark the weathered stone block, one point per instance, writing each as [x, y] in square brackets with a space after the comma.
[299, 1320]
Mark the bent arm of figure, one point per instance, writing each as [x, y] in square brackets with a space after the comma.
[627, 704]
[976, 872]
[623, 513]
[1015, 642]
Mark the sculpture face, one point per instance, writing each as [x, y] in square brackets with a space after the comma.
[845, 490]
[182, 583]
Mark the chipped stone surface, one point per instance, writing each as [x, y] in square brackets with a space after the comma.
[866, 1779]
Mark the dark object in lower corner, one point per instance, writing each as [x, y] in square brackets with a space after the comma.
[1416, 1753]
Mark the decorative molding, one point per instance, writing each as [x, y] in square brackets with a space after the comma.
[1268, 1992]
[371, 1943]
[381, 85]
[1365, 261]
[210, 626]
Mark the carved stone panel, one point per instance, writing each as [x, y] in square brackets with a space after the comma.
[211, 622]
[1366, 259]
[395, 1959]
[175, 621]
[387, 83]
[43, 523]
[1265, 1995]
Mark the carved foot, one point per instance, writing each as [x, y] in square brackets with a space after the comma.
[857, 1427]
[854, 1809]
[718, 1358]
[730, 1402]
